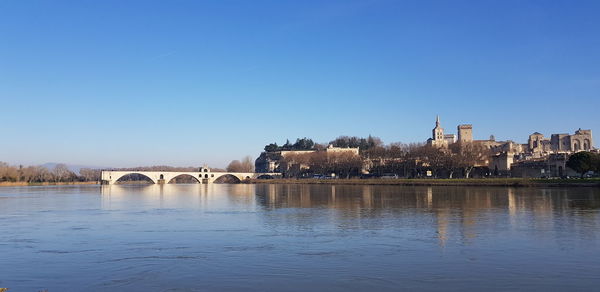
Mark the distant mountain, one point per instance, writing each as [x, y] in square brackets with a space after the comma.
[72, 167]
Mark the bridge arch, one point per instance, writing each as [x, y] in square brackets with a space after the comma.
[228, 178]
[186, 175]
[116, 179]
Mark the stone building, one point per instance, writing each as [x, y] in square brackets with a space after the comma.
[501, 162]
[582, 140]
[275, 161]
[553, 165]
[560, 143]
[538, 144]
[438, 139]
[331, 150]
[543, 157]
[537, 168]
[450, 138]
[465, 133]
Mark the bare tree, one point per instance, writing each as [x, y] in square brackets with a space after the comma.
[89, 174]
[318, 162]
[470, 155]
[61, 173]
[8, 173]
[344, 164]
[246, 165]
[35, 174]
[234, 166]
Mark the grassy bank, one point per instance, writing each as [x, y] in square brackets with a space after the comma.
[22, 183]
[513, 182]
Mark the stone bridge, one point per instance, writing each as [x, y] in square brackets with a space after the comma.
[203, 176]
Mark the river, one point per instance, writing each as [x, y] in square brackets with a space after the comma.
[298, 238]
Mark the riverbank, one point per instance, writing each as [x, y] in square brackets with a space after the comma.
[505, 182]
[23, 183]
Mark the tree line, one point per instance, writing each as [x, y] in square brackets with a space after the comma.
[300, 144]
[61, 173]
[406, 160]
[39, 174]
[341, 141]
[357, 142]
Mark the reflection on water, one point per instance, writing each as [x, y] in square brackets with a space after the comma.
[298, 237]
[463, 209]
[198, 196]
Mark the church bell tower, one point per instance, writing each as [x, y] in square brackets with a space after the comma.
[438, 131]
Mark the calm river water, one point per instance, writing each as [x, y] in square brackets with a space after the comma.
[298, 238]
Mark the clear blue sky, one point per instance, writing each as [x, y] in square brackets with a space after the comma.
[127, 83]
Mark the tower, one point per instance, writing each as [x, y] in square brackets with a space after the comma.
[438, 131]
[438, 138]
[465, 133]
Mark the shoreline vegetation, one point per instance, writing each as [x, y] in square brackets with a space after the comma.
[500, 182]
[504, 182]
[24, 183]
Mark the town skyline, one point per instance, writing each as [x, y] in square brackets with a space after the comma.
[448, 130]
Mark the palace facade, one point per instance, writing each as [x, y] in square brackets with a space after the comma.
[541, 155]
